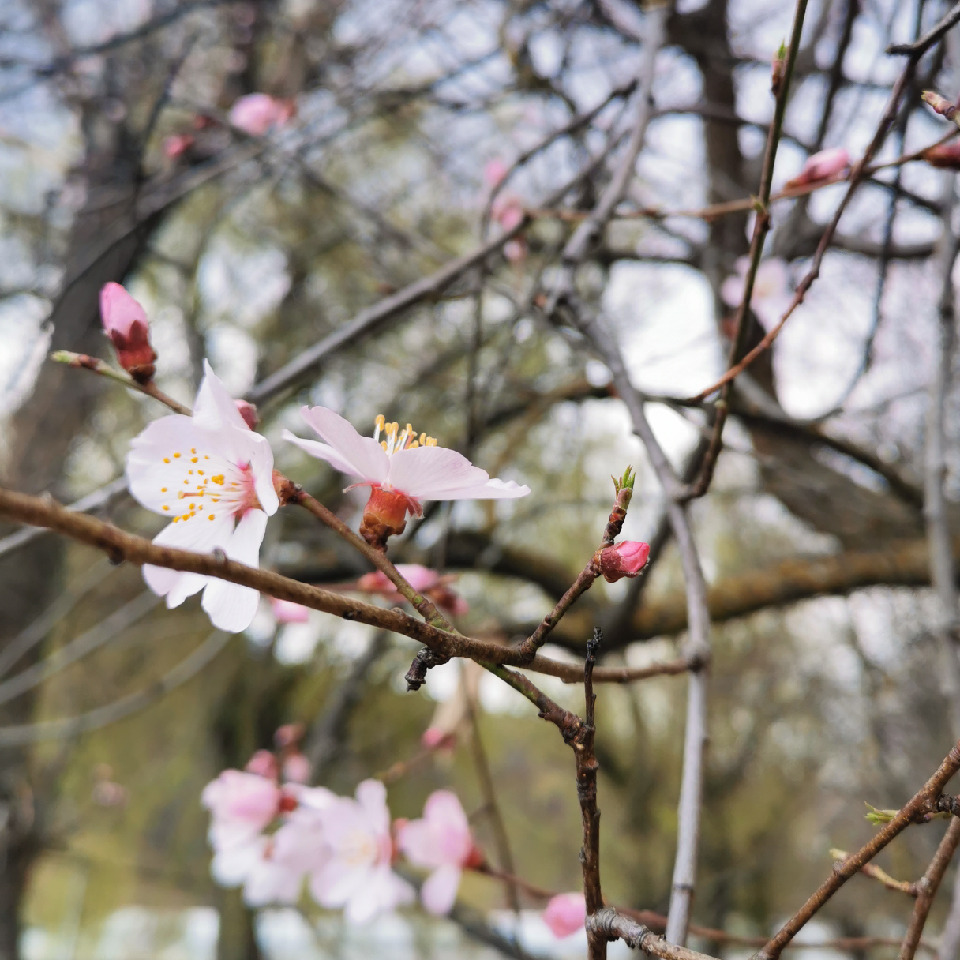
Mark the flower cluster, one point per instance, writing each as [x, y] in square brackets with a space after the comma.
[270, 837]
[211, 475]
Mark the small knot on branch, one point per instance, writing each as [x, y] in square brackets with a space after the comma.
[425, 659]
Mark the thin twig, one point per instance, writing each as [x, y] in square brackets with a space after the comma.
[927, 888]
[624, 490]
[587, 768]
[922, 802]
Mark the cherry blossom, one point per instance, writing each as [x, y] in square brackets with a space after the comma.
[258, 113]
[442, 842]
[565, 914]
[125, 323]
[424, 580]
[402, 470]
[770, 289]
[286, 611]
[177, 144]
[213, 477]
[244, 807]
[506, 209]
[356, 874]
[625, 559]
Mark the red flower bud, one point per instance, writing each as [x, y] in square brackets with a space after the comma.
[944, 155]
[125, 324]
[625, 559]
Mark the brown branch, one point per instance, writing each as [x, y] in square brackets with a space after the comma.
[587, 767]
[922, 802]
[127, 547]
[612, 925]
[916, 49]
[927, 888]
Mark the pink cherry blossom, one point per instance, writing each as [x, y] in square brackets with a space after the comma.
[258, 113]
[263, 763]
[822, 167]
[213, 477]
[441, 842]
[565, 914]
[240, 803]
[356, 874]
[177, 144]
[494, 171]
[423, 580]
[402, 471]
[506, 209]
[624, 559]
[255, 863]
[125, 323]
[286, 611]
[771, 292]
[269, 866]
[296, 768]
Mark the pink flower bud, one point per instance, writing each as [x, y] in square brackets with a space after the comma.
[289, 735]
[258, 113]
[263, 764]
[944, 155]
[822, 167]
[296, 768]
[249, 413]
[565, 914]
[125, 323]
[625, 559]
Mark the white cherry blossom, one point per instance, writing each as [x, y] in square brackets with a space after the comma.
[212, 476]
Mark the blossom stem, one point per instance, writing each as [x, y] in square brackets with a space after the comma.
[590, 572]
[424, 606]
[83, 361]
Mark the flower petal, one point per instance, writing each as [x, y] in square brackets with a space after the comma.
[214, 408]
[230, 606]
[345, 449]
[439, 890]
[437, 473]
[195, 534]
[261, 464]
[147, 474]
